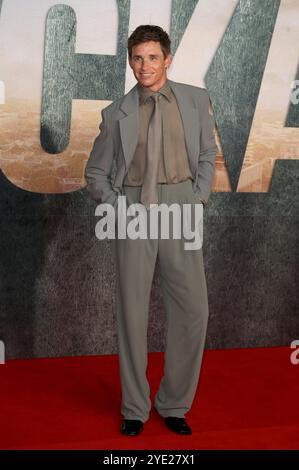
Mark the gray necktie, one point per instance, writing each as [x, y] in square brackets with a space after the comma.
[149, 192]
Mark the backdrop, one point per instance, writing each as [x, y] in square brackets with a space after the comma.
[59, 66]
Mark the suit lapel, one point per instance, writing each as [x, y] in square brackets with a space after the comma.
[129, 124]
[190, 123]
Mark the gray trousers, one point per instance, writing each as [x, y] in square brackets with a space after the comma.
[185, 299]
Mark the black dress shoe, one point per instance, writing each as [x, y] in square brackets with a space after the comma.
[131, 427]
[178, 425]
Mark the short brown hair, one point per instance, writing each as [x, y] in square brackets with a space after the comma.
[147, 32]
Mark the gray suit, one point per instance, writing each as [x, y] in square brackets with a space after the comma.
[183, 280]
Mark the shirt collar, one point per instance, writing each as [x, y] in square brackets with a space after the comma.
[144, 93]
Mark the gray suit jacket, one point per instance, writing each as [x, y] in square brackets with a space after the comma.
[114, 147]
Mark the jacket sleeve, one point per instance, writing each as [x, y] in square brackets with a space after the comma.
[208, 149]
[99, 165]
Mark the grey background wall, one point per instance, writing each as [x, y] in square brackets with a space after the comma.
[57, 280]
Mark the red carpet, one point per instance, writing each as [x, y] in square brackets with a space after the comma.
[246, 399]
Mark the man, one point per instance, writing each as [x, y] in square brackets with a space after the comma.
[156, 145]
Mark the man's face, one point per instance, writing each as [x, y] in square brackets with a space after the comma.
[148, 65]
